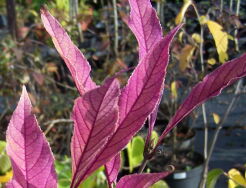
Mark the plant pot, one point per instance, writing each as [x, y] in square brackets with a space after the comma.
[183, 178]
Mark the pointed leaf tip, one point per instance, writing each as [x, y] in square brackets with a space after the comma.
[76, 62]
[31, 158]
[145, 25]
[210, 86]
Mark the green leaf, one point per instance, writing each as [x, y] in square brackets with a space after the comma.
[160, 184]
[96, 180]
[2, 146]
[154, 137]
[213, 176]
[5, 163]
[135, 152]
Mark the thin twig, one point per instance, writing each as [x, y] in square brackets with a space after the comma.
[53, 122]
[215, 137]
[116, 29]
[143, 165]
[236, 30]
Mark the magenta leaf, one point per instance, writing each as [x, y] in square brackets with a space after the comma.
[138, 99]
[144, 23]
[95, 116]
[112, 169]
[74, 59]
[30, 154]
[140, 180]
[211, 86]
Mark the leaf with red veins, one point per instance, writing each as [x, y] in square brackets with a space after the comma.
[140, 180]
[210, 86]
[138, 99]
[95, 116]
[31, 157]
[74, 59]
[112, 169]
[145, 25]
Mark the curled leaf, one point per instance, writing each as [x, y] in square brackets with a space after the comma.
[181, 13]
[30, 154]
[213, 176]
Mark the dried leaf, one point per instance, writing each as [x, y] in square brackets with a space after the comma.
[186, 56]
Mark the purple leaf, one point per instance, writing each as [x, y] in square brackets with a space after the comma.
[95, 116]
[211, 86]
[140, 180]
[74, 59]
[30, 154]
[138, 99]
[112, 169]
[145, 24]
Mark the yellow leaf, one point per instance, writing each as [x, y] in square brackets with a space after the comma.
[174, 90]
[185, 56]
[216, 118]
[211, 61]
[51, 67]
[196, 37]
[181, 36]
[230, 37]
[237, 177]
[181, 14]
[203, 20]
[5, 178]
[220, 38]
